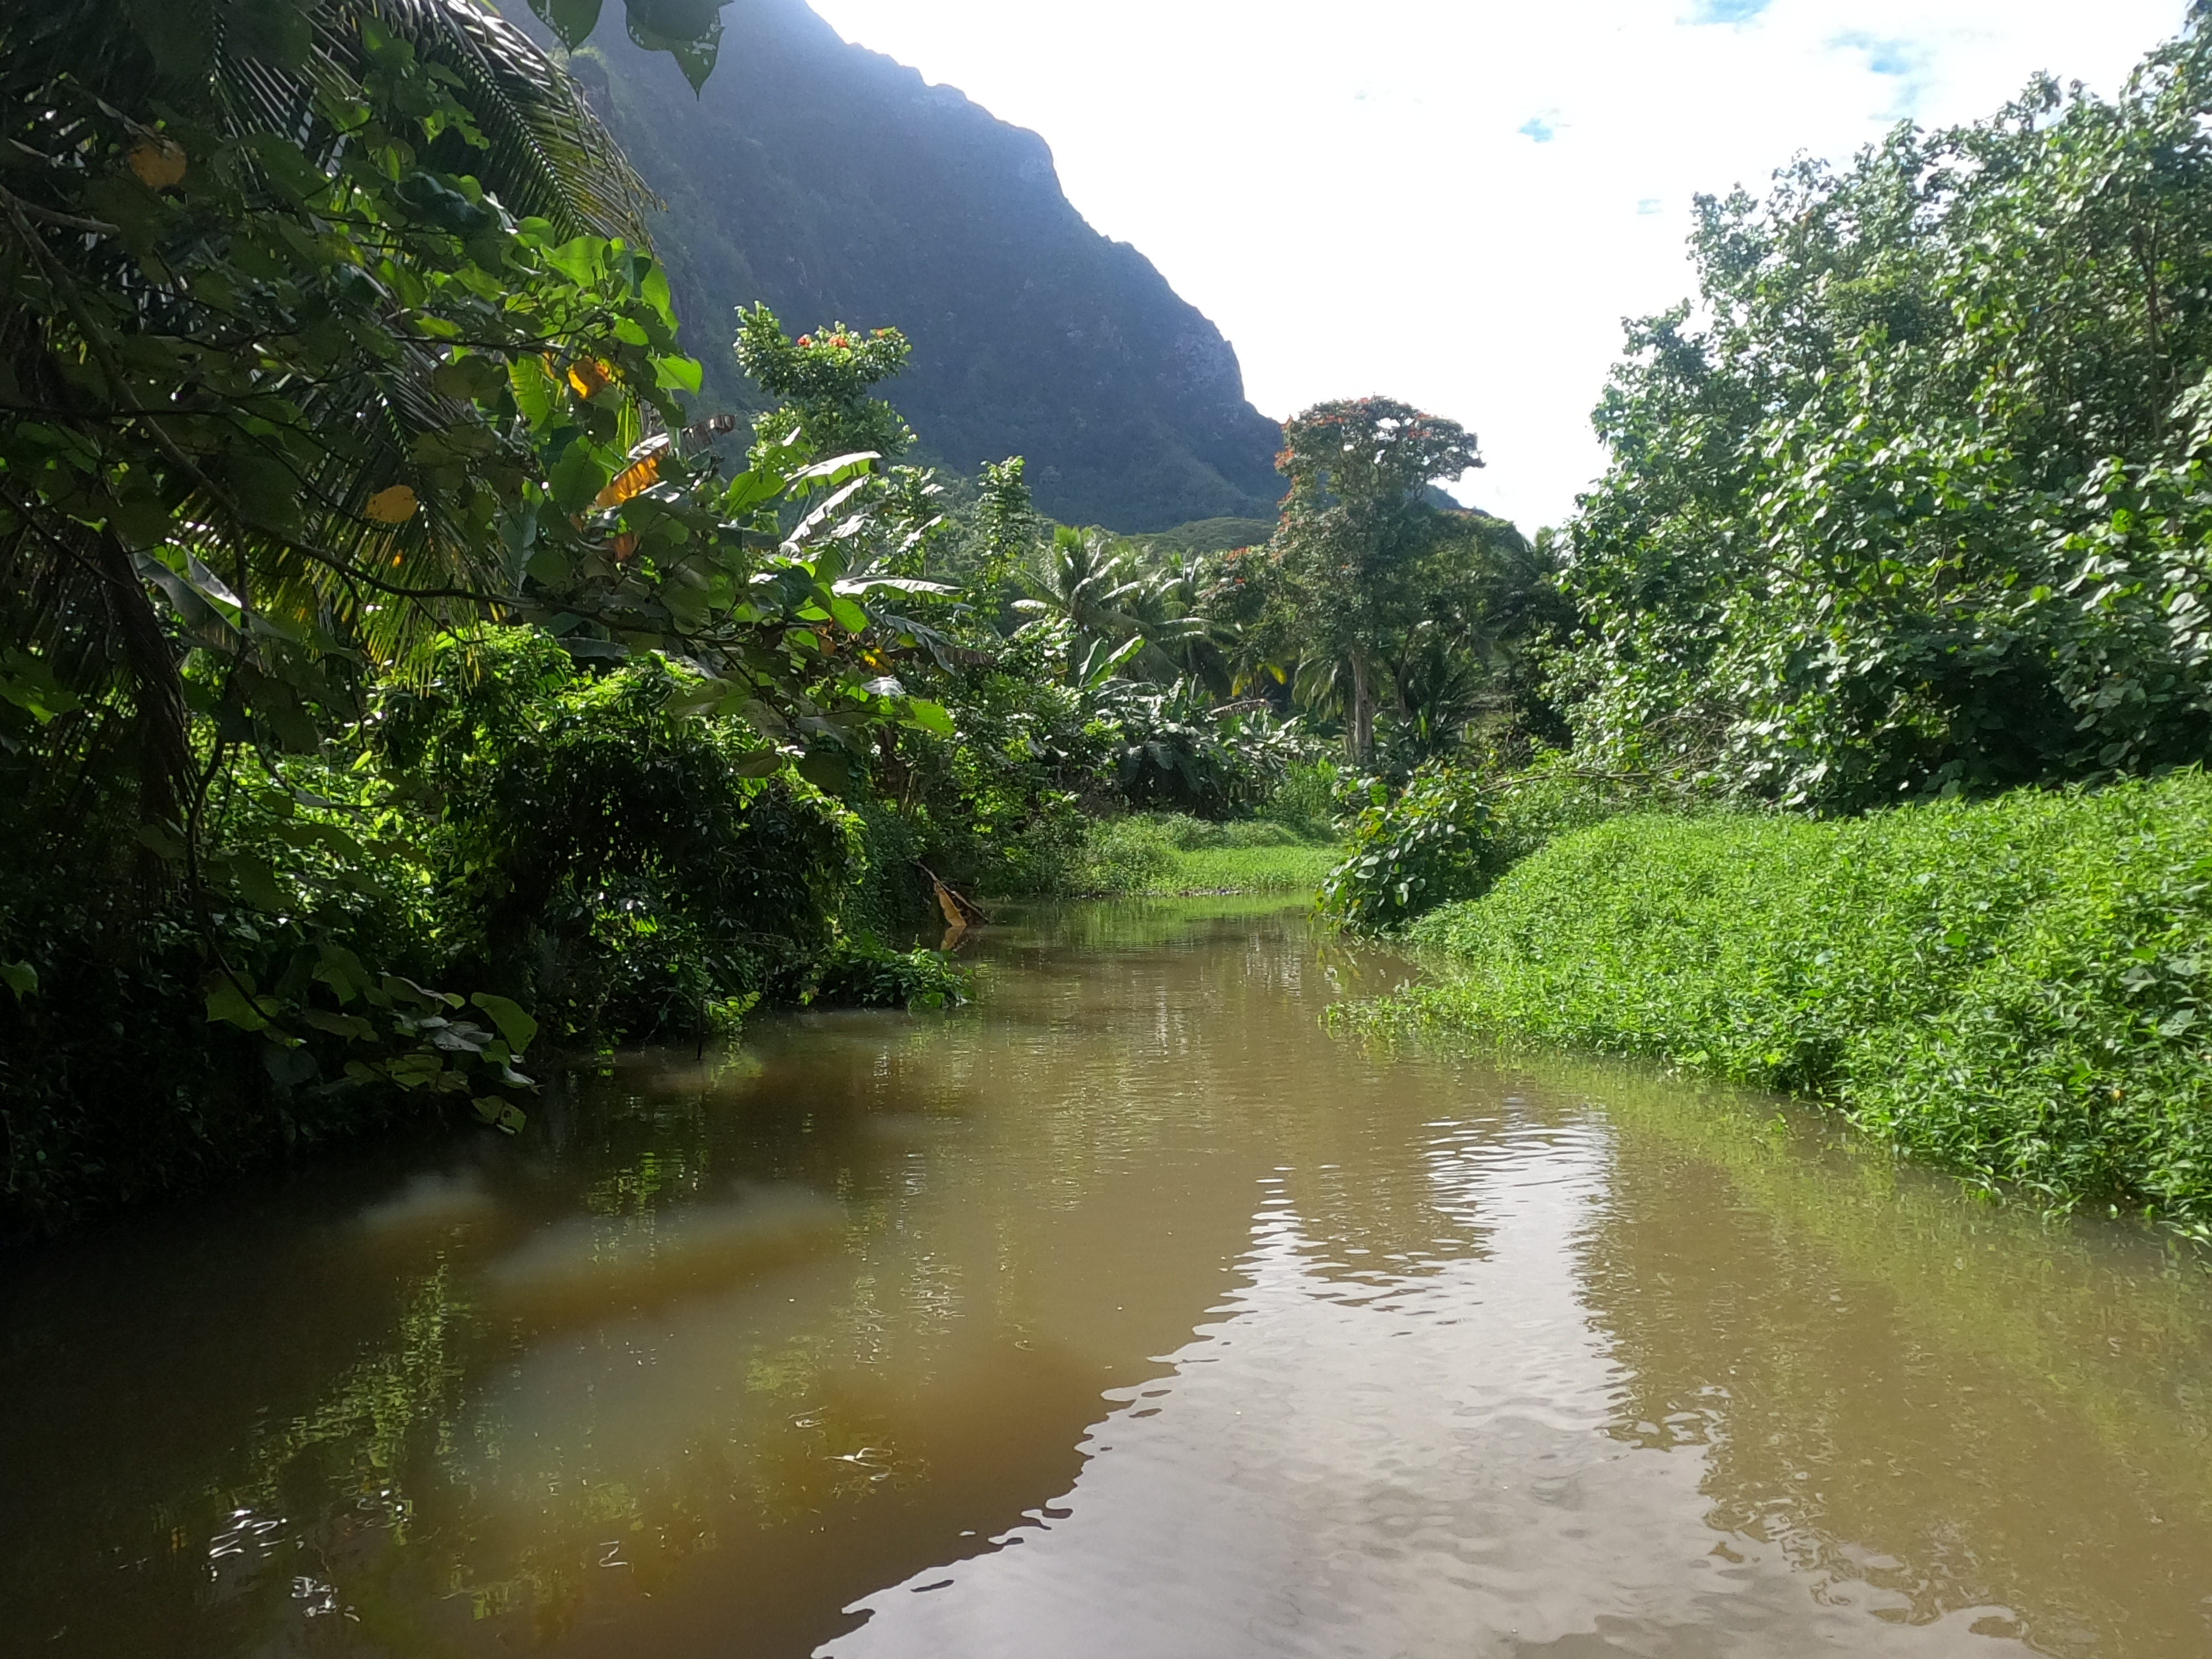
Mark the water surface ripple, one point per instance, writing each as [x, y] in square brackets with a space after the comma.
[1128, 1313]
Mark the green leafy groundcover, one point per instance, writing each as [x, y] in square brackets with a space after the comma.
[1163, 854]
[2014, 989]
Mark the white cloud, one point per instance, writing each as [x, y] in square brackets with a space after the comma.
[1456, 202]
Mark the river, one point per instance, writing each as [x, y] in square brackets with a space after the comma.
[1125, 1314]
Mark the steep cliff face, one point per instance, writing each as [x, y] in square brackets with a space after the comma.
[833, 182]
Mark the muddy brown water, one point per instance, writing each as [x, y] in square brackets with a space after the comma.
[1126, 1313]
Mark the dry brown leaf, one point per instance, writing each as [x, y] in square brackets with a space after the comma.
[159, 162]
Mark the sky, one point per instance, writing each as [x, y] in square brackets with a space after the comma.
[1456, 202]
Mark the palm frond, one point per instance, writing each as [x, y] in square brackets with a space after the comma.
[549, 156]
[69, 594]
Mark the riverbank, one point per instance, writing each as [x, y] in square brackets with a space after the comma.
[2013, 990]
[1120, 1243]
[1166, 855]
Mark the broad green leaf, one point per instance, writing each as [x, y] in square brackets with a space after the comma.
[266, 489]
[679, 375]
[749, 491]
[342, 970]
[191, 605]
[352, 1027]
[254, 880]
[21, 977]
[141, 521]
[500, 1114]
[228, 1004]
[29, 684]
[927, 716]
[514, 1021]
[572, 19]
[827, 771]
[474, 378]
[162, 841]
[838, 469]
[578, 478]
[535, 389]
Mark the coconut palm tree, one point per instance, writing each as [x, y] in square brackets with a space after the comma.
[1091, 584]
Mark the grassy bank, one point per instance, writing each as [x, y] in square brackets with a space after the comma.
[2014, 990]
[1159, 854]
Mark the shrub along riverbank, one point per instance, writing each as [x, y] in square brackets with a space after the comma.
[2014, 990]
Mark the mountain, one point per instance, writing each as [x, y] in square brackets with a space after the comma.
[836, 185]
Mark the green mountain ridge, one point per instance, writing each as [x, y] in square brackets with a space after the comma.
[834, 183]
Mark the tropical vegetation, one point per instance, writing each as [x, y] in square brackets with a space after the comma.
[1885, 682]
[407, 677]
[2014, 988]
[408, 674]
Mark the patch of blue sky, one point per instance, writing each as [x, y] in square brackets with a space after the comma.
[1896, 58]
[1728, 11]
[1904, 62]
[1538, 127]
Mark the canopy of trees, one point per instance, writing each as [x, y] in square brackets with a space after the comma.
[1915, 499]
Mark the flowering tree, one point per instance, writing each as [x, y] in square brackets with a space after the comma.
[821, 382]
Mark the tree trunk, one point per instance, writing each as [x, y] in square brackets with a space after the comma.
[1363, 710]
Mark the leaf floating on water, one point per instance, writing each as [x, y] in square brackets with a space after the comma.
[393, 505]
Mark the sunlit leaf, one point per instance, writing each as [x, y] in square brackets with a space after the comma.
[590, 376]
[635, 479]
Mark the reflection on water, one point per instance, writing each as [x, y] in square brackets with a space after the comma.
[1127, 1313]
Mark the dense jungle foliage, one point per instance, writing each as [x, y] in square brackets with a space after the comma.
[1911, 507]
[1914, 500]
[2014, 989]
[406, 678]
[408, 675]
